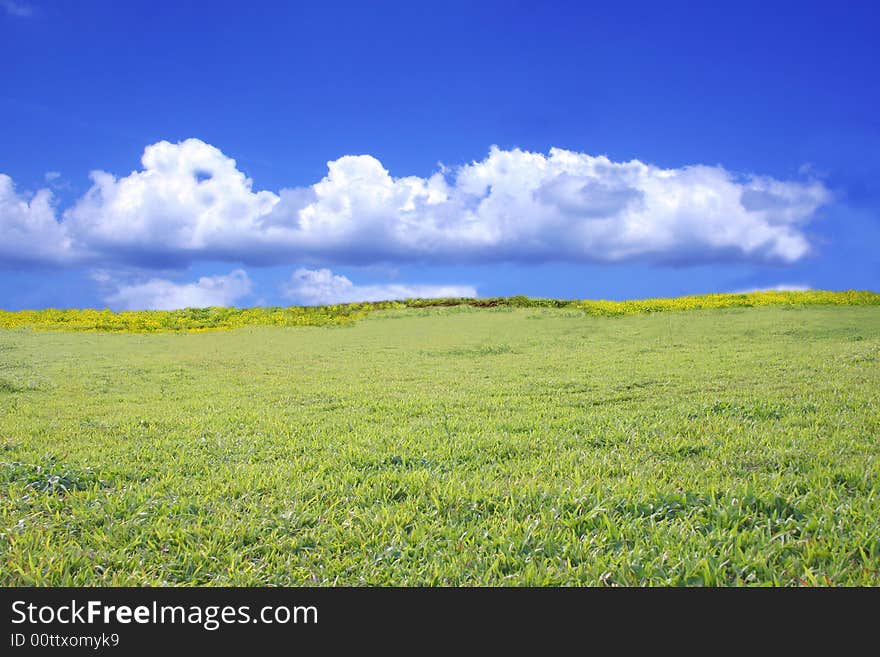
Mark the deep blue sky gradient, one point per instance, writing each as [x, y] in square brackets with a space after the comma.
[758, 87]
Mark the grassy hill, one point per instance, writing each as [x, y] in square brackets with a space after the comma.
[520, 443]
[205, 319]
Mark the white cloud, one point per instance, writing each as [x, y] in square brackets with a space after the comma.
[189, 199]
[52, 175]
[190, 202]
[782, 287]
[162, 294]
[29, 229]
[322, 286]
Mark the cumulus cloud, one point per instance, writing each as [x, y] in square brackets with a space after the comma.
[190, 202]
[163, 294]
[28, 227]
[322, 286]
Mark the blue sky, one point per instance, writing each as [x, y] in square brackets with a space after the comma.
[277, 153]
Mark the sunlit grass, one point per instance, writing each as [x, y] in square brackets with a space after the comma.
[204, 319]
[447, 446]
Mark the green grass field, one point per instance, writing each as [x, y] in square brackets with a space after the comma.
[448, 446]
